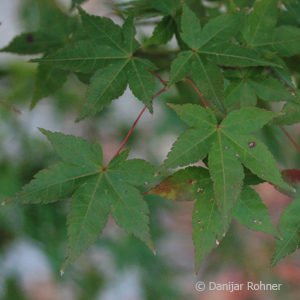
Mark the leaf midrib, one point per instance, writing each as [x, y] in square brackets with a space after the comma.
[88, 208]
[287, 242]
[132, 215]
[108, 36]
[61, 182]
[108, 85]
[193, 145]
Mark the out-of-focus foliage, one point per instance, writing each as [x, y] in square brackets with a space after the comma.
[234, 52]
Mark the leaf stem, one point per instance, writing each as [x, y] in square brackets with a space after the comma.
[290, 138]
[196, 89]
[135, 123]
[157, 76]
[10, 106]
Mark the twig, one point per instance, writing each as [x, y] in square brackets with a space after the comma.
[290, 138]
[157, 76]
[10, 106]
[134, 124]
[196, 89]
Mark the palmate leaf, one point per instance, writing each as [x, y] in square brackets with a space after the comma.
[108, 51]
[228, 145]
[96, 191]
[259, 30]
[260, 22]
[54, 29]
[289, 228]
[245, 88]
[210, 47]
[284, 40]
[194, 183]
[54, 32]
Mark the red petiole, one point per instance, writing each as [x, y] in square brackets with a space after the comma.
[140, 115]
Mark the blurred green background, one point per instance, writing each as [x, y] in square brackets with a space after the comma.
[33, 238]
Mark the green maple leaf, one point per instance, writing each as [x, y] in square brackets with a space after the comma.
[290, 114]
[33, 43]
[261, 34]
[167, 7]
[284, 40]
[108, 51]
[260, 22]
[163, 31]
[228, 145]
[96, 191]
[246, 86]
[47, 81]
[239, 94]
[194, 183]
[251, 212]
[259, 31]
[209, 48]
[293, 7]
[289, 228]
[54, 32]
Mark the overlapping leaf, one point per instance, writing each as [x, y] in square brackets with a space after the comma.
[293, 7]
[54, 32]
[246, 87]
[228, 145]
[167, 7]
[289, 228]
[163, 31]
[109, 50]
[260, 32]
[96, 191]
[250, 211]
[210, 47]
[194, 183]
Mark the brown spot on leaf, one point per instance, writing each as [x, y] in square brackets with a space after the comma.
[29, 38]
[173, 190]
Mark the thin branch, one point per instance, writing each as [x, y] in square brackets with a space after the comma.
[290, 138]
[157, 76]
[135, 123]
[10, 106]
[196, 89]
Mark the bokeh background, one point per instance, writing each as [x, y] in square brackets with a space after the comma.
[118, 267]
